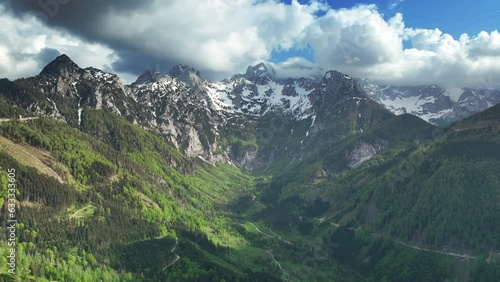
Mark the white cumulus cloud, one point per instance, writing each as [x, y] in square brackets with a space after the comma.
[223, 37]
[23, 43]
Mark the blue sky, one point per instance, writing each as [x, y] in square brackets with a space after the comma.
[454, 17]
[451, 16]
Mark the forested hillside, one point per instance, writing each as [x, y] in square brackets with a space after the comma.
[113, 203]
[343, 191]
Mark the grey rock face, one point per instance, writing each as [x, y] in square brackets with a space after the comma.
[213, 121]
[363, 152]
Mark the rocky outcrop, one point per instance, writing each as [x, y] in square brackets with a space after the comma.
[363, 152]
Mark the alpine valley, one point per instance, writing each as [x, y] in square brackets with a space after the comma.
[252, 178]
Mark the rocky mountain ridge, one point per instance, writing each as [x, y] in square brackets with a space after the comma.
[226, 121]
[434, 104]
[251, 119]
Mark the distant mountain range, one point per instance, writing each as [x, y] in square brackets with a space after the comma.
[432, 103]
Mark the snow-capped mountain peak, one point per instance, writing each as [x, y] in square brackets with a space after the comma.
[149, 76]
[431, 102]
[259, 91]
[260, 73]
[191, 77]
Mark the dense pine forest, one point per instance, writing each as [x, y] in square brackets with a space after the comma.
[126, 206]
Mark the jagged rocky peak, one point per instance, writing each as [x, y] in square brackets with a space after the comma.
[468, 94]
[182, 69]
[149, 76]
[187, 74]
[60, 66]
[335, 81]
[260, 73]
[335, 75]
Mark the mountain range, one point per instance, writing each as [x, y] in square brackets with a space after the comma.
[197, 115]
[253, 178]
[432, 103]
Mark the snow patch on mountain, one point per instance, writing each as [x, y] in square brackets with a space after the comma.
[454, 93]
[431, 102]
[260, 96]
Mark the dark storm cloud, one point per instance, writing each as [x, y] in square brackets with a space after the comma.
[46, 55]
[219, 36]
[216, 35]
[136, 63]
[82, 18]
[77, 16]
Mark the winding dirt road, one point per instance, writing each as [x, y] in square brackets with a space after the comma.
[18, 119]
[176, 256]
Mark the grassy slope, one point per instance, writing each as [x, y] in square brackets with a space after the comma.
[29, 156]
[125, 185]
